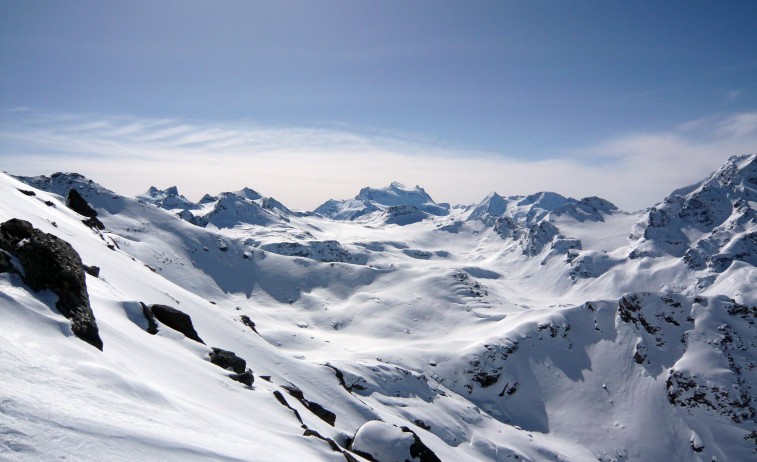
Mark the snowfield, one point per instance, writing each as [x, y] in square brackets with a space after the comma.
[386, 327]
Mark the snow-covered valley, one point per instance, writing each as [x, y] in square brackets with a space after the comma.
[384, 327]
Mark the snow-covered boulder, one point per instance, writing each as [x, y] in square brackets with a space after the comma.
[382, 442]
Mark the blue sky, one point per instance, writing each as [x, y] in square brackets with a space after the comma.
[589, 88]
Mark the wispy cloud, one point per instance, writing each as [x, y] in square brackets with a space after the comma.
[305, 166]
[738, 125]
[734, 95]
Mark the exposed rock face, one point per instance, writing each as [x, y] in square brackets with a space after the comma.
[5, 263]
[168, 199]
[325, 251]
[245, 377]
[176, 320]
[78, 204]
[152, 324]
[51, 263]
[710, 224]
[320, 411]
[529, 210]
[538, 237]
[404, 215]
[249, 323]
[228, 360]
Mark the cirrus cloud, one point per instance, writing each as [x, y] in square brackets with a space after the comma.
[303, 167]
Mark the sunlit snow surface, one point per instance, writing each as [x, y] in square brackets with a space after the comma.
[445, 324]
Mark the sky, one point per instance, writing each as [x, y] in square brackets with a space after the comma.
[306, 101]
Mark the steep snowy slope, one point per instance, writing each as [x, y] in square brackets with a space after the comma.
[530, 331]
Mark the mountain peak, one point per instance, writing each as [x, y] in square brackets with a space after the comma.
[249, 193]
[168, 199]
[371, 199]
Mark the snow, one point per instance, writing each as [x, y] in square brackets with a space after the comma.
[580, 332]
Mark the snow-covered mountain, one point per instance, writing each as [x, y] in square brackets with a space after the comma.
[168, 198]
[397, 204]
[388, 327]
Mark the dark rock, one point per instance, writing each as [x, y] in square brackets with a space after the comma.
[419, 450]
[78, 204]
[332, 444]
[51, 263]
[422, 424]
[228, 360]
[93, 271]
[152, 325]
[249, 323]
[5, 263]
[364, 455]
[26, 192]
[245, 377]
[340, 377]
[321, 412]
[280, 398]
[50, 203]
[176, 320]
[509, 390]
[294, 391]
[485, 379]
[93, 222]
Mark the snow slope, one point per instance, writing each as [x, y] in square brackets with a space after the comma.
[525, 328]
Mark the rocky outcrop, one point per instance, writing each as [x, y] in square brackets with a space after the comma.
[324, 251]
[228, 360]
[404, 215]
[176, 320]
[49, 262]
[168, 199]
[710, 224]
[320, 411]
[538, 237]
[78, 204]
[245, 378]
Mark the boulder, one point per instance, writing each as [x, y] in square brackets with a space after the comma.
[228, 360]
[78, 204]
[52, 263]
[5, 263]
[152, 324]
[176, 320]
[245, 377]
[381, 442]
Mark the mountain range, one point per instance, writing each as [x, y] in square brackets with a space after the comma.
[387, 327]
